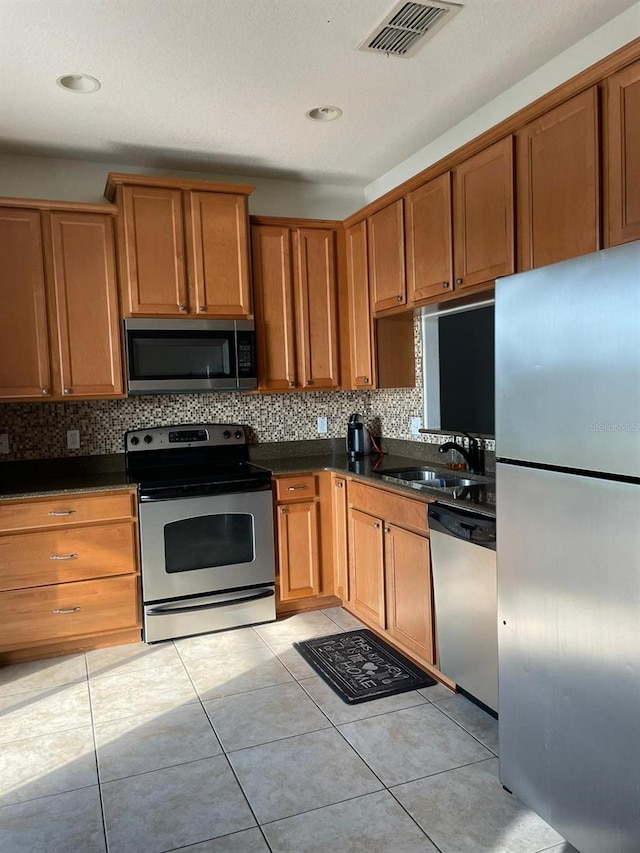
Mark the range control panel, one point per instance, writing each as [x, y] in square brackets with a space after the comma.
[179, 437]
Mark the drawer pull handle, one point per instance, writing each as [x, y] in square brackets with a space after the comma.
[63, 512]
[63, 557]
[296, 488]
[70, 610]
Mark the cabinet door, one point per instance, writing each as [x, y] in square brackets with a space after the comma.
[272, 278]
[409, 609]
[24, 344]
[366, 568]
[483, 214]
[152, 251]
[340, 556]
[622, 133]
[218, 249]
[360, 323]
[385, 232]
[428, 240]
[317, 322]
[85, 329]
[298, 550]
[558, 183]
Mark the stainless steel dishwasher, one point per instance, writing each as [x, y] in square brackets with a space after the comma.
[463, 563]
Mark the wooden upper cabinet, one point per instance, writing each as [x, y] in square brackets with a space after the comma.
[152, 251]
[218, 251]
[622, 139]
[483, 216]
[59, 323]
[273, 284]
[85, 329]
[428, 239]
[24, 346]
[184, 247]
[315, 284]
[386, 257]
[558, 183]
[361, 330]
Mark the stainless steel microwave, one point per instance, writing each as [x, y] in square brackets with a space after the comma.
[187, 356]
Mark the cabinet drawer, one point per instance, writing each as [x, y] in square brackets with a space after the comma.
[49, 613]
[68, 554]
[75, 509]
[303, 486]
[394, 509]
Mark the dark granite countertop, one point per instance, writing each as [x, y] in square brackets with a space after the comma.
[372, 470]
[40, 477]
[36, 478]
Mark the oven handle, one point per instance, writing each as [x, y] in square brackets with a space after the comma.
[267, 593]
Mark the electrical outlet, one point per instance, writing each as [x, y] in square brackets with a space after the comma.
[322, 426]
[416, 423]
[73, 439]
[4, 442]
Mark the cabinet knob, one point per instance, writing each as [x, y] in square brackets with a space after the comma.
[398, 298]
[309, 382]
[283, 510]
[445, 285]
[387, 530]
[292, 384]
[182, 307]
[458, 281]
[202, 308]
[68, 391]
[339, 485]
[376, 524]
[46, 391]
[366, 380]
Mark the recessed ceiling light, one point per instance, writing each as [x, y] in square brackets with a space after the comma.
[82, 83]
[324, 113]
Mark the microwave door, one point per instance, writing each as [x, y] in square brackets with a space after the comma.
[181, 360]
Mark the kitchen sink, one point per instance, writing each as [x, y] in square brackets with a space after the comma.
[430, 478]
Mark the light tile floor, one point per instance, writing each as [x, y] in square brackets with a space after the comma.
[230, 743]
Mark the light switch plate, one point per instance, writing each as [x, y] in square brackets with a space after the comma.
[73, 439]
[4, 442]
[416, 423]
[322, 426]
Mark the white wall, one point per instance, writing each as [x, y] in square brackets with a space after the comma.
[570, 62]
[80, 180]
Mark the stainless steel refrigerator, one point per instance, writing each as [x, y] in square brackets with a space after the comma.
[568, 547]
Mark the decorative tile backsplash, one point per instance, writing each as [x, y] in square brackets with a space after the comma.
[39, 430]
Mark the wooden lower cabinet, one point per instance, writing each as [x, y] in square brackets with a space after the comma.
[298, 550]
[304, 541]
[390, 585]
[366, 568]
[340, 540]
[408, 587]
[70, 576]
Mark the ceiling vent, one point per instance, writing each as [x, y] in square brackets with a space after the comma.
[407, 27]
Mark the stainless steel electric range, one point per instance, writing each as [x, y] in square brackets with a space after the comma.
[206, 530]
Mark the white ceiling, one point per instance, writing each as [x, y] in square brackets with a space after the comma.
[223, 85]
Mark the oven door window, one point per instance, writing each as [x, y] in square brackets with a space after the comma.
[181, 355]
[207, 541]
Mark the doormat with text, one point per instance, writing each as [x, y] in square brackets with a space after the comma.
[361, 667]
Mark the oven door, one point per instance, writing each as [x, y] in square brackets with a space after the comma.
[196, 546]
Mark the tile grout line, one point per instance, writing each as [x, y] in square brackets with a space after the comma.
[226, 757]
[95, 753]
[475, 737]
